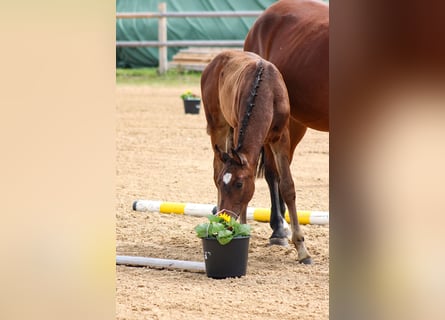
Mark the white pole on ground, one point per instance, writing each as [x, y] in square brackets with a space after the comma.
[202, 210]
[160, 263]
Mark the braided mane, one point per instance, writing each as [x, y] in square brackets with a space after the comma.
[250, 103]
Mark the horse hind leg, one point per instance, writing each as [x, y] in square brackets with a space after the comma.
[296, 133]
[280, 233]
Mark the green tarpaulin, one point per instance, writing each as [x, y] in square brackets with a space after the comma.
[142, 29]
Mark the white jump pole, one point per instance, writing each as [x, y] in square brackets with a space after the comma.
[160, 263]
[202, 210]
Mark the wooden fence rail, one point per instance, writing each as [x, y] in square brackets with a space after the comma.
[163, 43]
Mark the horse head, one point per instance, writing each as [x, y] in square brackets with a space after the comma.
[235, 183]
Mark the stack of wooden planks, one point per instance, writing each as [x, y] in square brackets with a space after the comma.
[196, 58]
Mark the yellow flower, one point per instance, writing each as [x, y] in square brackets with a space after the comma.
[224, 216]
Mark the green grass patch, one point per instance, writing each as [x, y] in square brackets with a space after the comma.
[150, 76]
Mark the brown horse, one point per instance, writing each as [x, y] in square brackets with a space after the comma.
[294, 36]
[247, 110]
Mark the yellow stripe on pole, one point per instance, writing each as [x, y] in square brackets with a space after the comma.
[172, 207]
[304, 217]
[263, 215]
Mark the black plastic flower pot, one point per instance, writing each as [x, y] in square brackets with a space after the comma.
[226, 261]
[192, 105]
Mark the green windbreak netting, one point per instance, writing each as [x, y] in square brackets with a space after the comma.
[215, 28]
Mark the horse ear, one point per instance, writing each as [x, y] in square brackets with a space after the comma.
[239, 157]
[223, 156]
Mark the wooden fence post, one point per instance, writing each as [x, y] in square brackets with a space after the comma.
[162, 37]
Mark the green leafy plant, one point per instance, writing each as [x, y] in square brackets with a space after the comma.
[222, 227]
[189, 95]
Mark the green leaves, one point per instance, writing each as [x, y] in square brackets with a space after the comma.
[243, 230]
[202, 230]
[224, 236]
[222, 228]
[215, 228]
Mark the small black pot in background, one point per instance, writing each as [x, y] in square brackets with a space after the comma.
[192, 105]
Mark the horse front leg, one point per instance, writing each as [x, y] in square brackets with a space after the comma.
[287, 190]
[277, 223]
[297, 233]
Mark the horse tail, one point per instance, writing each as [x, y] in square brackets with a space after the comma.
[260, 167]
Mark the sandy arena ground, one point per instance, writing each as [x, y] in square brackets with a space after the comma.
[164, 154]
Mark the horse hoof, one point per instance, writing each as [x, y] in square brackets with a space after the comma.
[307, 260]
[279, 242]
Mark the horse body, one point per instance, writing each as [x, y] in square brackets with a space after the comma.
[294, 36]
[247, 111]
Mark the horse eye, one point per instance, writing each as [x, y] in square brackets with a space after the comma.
[239, 185]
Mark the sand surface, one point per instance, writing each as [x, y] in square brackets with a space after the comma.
[165, 154]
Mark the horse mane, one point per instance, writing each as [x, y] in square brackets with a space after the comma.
[250, 103]
[244, 122]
